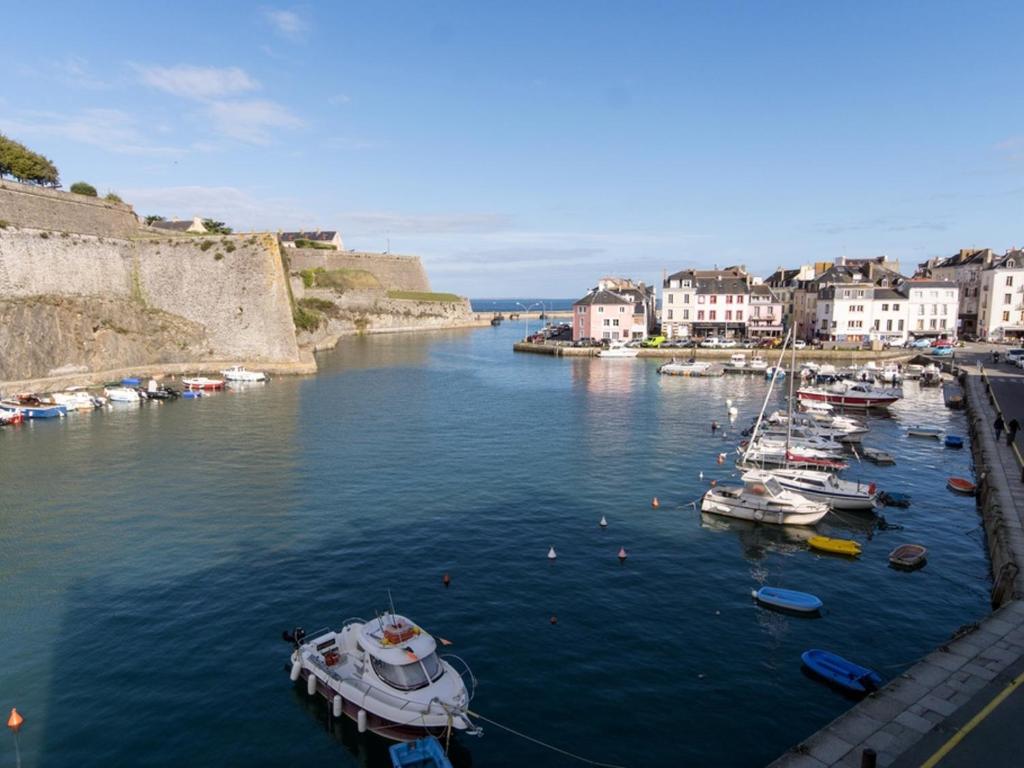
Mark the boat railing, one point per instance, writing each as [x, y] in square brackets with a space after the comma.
[462, 669]
[352, 620]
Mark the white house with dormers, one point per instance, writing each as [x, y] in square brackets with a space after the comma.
[706, 302]
[933, 308]
[1001, 311]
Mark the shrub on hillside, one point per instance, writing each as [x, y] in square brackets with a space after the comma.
[113, 197]
[304, 243]
[83, 188]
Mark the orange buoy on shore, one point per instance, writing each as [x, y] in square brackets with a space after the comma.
[655, 503]
[14, 722]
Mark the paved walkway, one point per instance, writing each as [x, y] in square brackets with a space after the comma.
[963, 705]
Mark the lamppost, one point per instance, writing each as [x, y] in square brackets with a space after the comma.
[526, 318]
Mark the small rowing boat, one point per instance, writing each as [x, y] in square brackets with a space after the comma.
[922, 431]
[846, 547]
[961, 485]
[908, 556]
[833, 668]
[953, 441]
[422, 753]
[877, 456]
[787, 599]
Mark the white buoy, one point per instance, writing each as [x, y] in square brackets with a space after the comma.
[728, 403]
[603, 523]
[311, 684]
[551, 554]
[734, 411]
[296, 671]
[702, 474]
[361, 721]
[336, 708]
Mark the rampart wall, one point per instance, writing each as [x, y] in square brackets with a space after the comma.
[26, 205]
[395, 273]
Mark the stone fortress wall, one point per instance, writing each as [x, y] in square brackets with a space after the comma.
[396, 273]
[37, 208]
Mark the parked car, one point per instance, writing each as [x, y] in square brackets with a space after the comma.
[653, 342]
[942, 343]
[799, 344]
[711, 343]
[1014, 356]
[727, 344]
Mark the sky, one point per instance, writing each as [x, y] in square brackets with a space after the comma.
[530, 148]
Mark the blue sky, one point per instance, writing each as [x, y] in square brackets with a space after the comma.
[528, 148]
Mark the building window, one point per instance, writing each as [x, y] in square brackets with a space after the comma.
[670, 314]
[622, 309]
[739, 299]
[607, 321]
[671, 298]
[728, 315]
[1009, 281]
[713, 299]
[1006, 317]
[901, 326]
[686, 314]
[920, 309]
[895, 307]
[615, 322]
[932, 324]
[885, 307]
[728, 299]
[888, 325]
[700, 299]
[739, 314]
[1007, 298]
[686, 283]
[878, 325]
[686, 298]
[942, 323]
[855, 324]
[711, 315]
[600, 309]
[920, 325]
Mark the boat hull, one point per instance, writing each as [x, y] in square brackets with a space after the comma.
[961, 485]
[788, 600]
[847, 401]
[908, 556]
[830, 546]
[716, 506]
[836, 670]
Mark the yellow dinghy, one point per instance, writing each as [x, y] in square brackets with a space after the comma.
[834, 546]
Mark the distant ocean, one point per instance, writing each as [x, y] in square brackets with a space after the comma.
[513, 305]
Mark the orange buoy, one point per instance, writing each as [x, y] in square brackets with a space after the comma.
[655, 503]
[622, 554]
[446, 580]
[714, 483]
[15, 720]
[554, 619]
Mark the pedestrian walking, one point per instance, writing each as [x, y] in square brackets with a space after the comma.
[998, 426]
[1011, 431]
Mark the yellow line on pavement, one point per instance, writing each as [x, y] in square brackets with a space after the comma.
[973, 723]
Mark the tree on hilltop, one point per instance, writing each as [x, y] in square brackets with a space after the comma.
[216, 227]
[83, 188]
[153, 217]
[23, 164]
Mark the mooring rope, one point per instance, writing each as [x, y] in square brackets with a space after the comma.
[552, 747]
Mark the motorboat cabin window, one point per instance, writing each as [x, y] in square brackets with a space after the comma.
[773, 486]
[411, 676]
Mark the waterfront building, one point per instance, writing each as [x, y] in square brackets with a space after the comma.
[328, 237]
[709, 302]
[786, 284]
[765, 313]
[1001, 305]
[933, 306]
[964, 269]
[615, 309]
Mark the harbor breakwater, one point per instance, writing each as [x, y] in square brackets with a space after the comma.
[85, 289]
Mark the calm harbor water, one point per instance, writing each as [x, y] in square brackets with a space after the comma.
[150, 557]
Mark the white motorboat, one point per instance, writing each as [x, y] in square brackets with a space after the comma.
[919, 430]
[692, 368]
[800, 444]
[891, 374]
[239, 373]
[759, 455]
[931, 376]
[826, 487]
[619, 351]
[846, 429]
[758, 363]
[122, 395]
[201, 382]
[386, 675]
[737, 360]
[77, 399]
[913, 371]
[763, 500]
[804, 432]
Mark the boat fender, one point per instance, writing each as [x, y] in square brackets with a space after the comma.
[759, 490]
[296, 671]
[311, 684]
[336, 706]
[759, 515]
[361, 721]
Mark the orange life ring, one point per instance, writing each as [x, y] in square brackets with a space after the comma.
[399, 633]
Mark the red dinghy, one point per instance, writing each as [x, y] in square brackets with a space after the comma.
[961, 485]
[908, 556]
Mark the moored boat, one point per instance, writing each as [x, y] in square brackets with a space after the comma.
[846, 547]
[835, 669]
[31, 407]
[691, 368]
[619, 351]
[239, 373]
[386, 675]
[422, 753]
[961, 485]
[121, 395]
[201, 382]
[877, 455]
[908, 556]
[787, 599]
[826, 487]
[763, 500]
[10, 417]
[850, 395]
[954, 441]
[77, 400]
[919, 430]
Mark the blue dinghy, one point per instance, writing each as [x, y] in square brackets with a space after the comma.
[837, 670]
[787, 599]
[422, 753]
[952, 441]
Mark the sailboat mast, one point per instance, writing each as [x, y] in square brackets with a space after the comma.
[789, 418]
[767, 396]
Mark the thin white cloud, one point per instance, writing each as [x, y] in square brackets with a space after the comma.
[76, 72]
[199, 83]
[110, 129]
[250, 121]
[376, 222]
[288, 24]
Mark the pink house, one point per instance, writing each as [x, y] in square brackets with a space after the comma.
[602, 315]
[764, 312]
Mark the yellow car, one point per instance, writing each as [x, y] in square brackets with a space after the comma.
[654, 341]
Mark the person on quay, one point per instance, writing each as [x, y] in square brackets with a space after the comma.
[998, 425]
[1011, 431]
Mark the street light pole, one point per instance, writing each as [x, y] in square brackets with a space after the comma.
[526, 319]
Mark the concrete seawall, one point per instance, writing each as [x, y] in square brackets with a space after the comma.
[803, 355]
